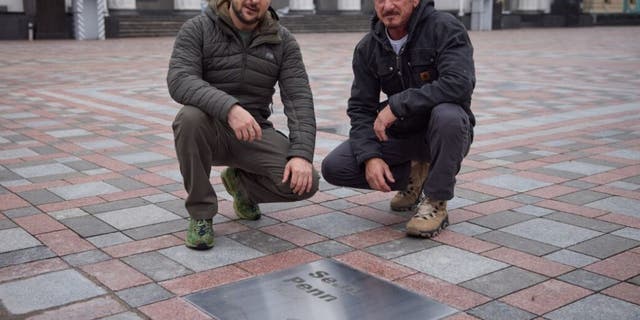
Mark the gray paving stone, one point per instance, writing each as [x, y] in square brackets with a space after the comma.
[571, 258]
[176, 206]
[473, 195]
[86, 257]
[400, 247]
[525, 198]
[596, 307]
[341, 204]
[264, 221]
[38, 197]
[580, 221]
[335, 224]
[157, 229]
[143, 295]
[450, 264]
[25, 255]
[605, 246]
[156, 266]
[551, 232]
[101, 144]
[139, 157]
[124, 316]
[225, 252]
[82, 165]
[162, 198]
[88, 226]
[126, 184]
[261, 241]
[513, 182]
[43, 170]
[329, 248]
[630, 233]
[137, 217]
[619, 205]
[582, 197]
[501, 219]
[279, 206]
[496, 310]
[500, 153]
[67, 214]
[46, 291]
[515, 242]
[468, 229]
[68, 133]
[635, 280]
[533, 210]
[324, 185]
[16, 239]
[557, 173]
[342, 192]
[579, 184]
[7, 224]
[17, 153]
[107, 240]
[458, 202]
[114, 205]
[503, 282]
[583, 168]
[589, 280]
[84, 190]
[628, 154]
[624, 185]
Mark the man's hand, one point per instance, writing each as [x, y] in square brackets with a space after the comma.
[300, 173]
[384, 120]
[378, 173]
[243, 124]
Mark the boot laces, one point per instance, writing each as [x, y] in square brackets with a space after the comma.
[428, 209]
[202, 227]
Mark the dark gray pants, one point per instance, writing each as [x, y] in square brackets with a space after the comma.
[444, 144]
[202, 142]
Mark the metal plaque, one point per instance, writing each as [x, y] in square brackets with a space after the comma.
[321, 290]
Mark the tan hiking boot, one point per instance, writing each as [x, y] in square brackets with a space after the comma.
[430, 219]
[409, 198]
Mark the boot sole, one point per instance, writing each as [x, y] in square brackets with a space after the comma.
[201, 246]
[429, 234]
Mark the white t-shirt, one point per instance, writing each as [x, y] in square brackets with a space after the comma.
[397, 44]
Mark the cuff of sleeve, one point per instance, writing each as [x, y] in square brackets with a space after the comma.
[224, 109]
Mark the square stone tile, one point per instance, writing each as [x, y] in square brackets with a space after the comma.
[630, 233]
[546, 296]
[468, 229]
[140, 157]
[25, 255]
[38, 197]
[16, 153]
[88, 226]
[84, 190]
[513, 182]
[143, 295]
[261, 241]
[450, 264]
[583, 168]
[596, 307]
[580, 221]
[225, 252]
[503, 282]
[15, 239]
[7, 224]
[496, 310]
[126, 184]
[514, 242]
[588, 280]
[335, 224]
[533, 210]
[551, 232]
[158, 229]
[68, 133]
[628, 154]
[400, 247]
[69, 213]
[114, 205]
[605, 246]
[110, 239]
[619, 205]
[582, 197]
[342, 192]
[43, 170]
[329, 248]
[46, 291]
[501, 219]
[571, 258]
[156, 266]
[101, 144]
[86, 257]
[124, 316]
[137, 217]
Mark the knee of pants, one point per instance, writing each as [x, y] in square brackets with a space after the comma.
[449, 118]
[330, 170]
[189, 119]
[285, 189]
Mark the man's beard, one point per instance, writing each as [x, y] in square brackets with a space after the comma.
[240, 15]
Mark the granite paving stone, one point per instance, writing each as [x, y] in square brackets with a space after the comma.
[38, 197]
[588, 280]
[468, 229]
[126, 184]
[25, 255]
[43, 170]
[497, 310]
[261, 241]
[582, 197]
[571, 258]
[84, 190]
[501, 219]
[225, 252]
[503, 282]
[450, 264]
[551, 232]
[88, 226]
[109, 239]
[619, 205]
[519, 243]
[578, 167]
[605, 246]
[15, 239]
[7, 224]
[580, 221]
[596, 307]
[47, 290]
[114, 205]
[143, 295]
[156, 266]
[86, 257]
[515, 183]
[533, 210]
[124, 316]
[137, 217]
[335, 224]
[157, 229]
[329, 248]
[630, 233]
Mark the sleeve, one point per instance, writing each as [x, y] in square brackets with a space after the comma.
[184, 79]
[297, 98]
[363, 107]
[456, 70]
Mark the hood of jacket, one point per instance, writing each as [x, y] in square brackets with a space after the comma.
[421, 12]
[219, 9]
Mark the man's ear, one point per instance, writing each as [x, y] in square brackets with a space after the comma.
[415, 3]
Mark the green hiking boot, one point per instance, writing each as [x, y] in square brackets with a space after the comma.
[200, 234]
[244, 208]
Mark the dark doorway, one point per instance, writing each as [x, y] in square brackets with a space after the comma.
[154, 5]
[50, 20]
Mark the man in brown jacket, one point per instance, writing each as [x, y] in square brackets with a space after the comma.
[223, 69]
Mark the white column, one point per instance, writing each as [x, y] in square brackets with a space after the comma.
[301, 5]
[13, 5]
[186, 5]
[122, 4]
[348, 5]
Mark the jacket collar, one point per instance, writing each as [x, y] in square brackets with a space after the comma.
[266, 30]
[424, 9]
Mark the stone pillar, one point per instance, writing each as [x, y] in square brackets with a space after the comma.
[193, 5]
[349, 5]
[121, 4]
[481, 15]
[306, 6]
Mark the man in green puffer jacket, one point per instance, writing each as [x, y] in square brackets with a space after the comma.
[223, 69]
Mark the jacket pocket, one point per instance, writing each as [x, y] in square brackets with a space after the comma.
[422, 63]
[389, 81]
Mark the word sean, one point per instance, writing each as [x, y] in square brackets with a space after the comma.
[324, 278]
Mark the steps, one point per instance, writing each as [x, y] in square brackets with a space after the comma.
[127, 26]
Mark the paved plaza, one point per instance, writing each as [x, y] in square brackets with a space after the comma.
[545, 222]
